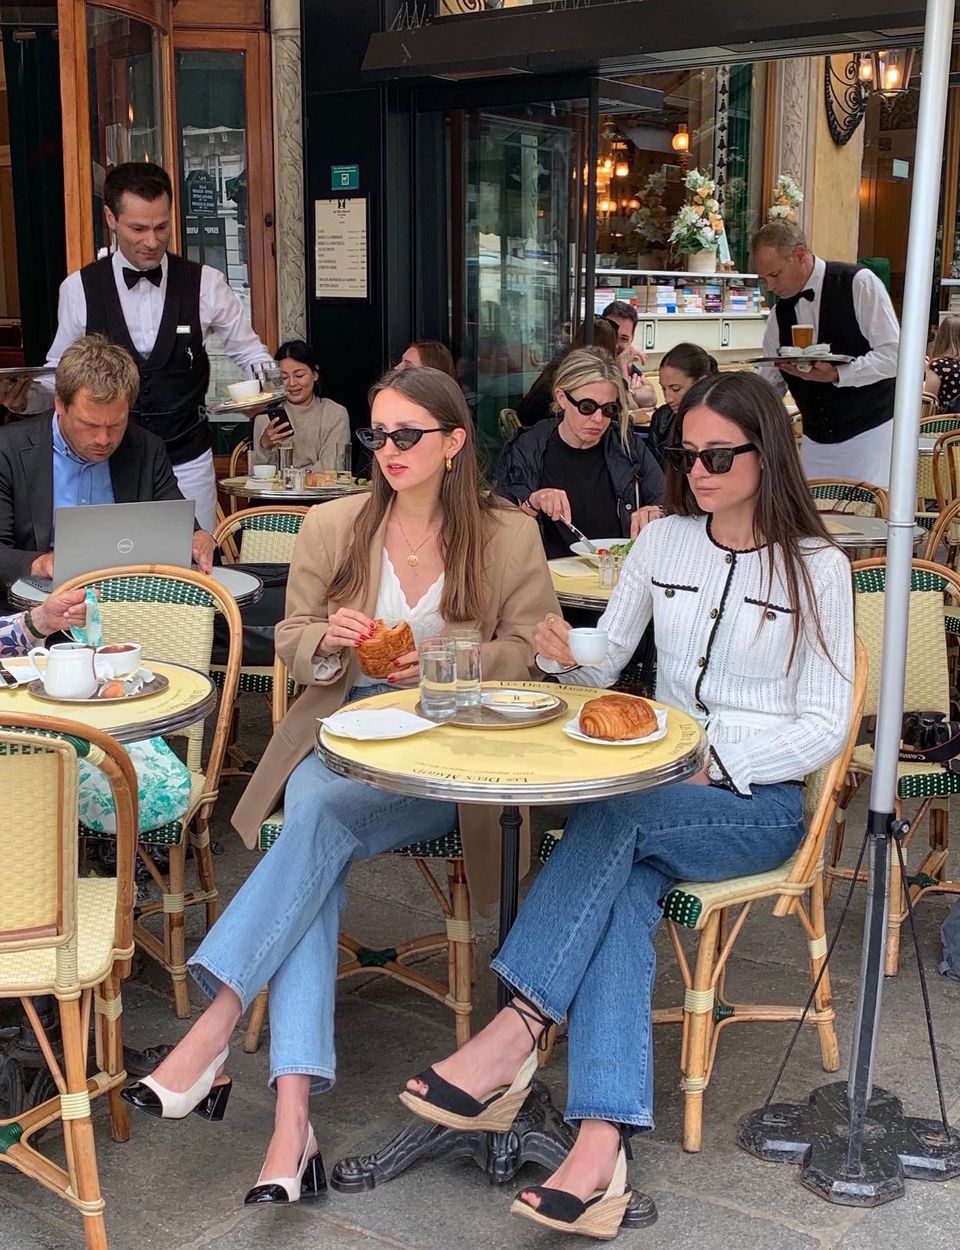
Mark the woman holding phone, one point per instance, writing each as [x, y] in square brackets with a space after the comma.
[317, 425]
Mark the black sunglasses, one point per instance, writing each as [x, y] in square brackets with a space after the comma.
[587, 407]
[403, 439]
[714, 459]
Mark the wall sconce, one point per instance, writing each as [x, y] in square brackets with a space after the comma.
[633, 203]
[891, 69]
[606, 206]
[681, 140]
[621, 170]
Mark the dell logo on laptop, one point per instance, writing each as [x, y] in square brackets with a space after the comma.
[125, 546]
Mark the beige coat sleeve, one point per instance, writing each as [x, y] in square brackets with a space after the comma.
[526, 596]
[301, 631]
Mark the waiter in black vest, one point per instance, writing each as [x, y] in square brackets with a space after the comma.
[161, 308]
[847, 410]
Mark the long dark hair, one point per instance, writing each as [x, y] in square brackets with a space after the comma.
[691, 360]
[464, 499]
[303, 354]
[784, 512]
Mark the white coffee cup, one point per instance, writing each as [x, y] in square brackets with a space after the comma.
[244, 390]
[587, 646]
[69, 672]
[118, 659]
[264, 471]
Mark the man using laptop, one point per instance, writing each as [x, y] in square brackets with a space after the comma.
[89, 452]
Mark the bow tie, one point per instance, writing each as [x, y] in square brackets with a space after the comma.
[791, 300]
[133, 276]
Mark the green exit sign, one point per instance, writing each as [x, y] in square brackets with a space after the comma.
[344, 177]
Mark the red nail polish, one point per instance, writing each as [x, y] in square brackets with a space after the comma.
[391, 679]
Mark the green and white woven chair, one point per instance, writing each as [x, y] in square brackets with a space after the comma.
[927, 475]
[456, 937]
[927, 688]
[717, 911]
[841, 494]
[68, 937]
[170, 611]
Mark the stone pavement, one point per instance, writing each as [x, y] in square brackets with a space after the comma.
[179, 1186]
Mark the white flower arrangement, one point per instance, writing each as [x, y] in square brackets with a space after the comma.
[650, 219]
[787, 198]
[698, 225]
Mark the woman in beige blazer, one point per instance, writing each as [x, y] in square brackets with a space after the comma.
[430, 544]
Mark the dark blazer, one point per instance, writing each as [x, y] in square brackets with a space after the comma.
[140, 470]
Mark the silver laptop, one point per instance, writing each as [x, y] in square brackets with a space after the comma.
[114, 535]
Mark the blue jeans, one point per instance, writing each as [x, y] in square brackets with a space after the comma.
[582, 945]
[281, 926]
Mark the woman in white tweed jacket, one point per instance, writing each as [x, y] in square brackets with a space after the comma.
[753, 618]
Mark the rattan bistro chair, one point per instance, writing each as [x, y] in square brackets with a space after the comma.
[927, 687]
[717, 912]
[65, 937]
[456, 937]
[170, 611]
[841, 494]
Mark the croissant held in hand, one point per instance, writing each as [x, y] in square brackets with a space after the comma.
[377, 654]
[617, 716]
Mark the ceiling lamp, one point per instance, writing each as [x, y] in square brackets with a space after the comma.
[621, 169]
[681, 140]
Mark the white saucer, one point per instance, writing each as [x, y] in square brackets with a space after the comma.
[372, 724]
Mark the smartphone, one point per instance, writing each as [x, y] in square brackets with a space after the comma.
[635, 370]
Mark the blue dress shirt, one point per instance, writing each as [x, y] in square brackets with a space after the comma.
[75, 481]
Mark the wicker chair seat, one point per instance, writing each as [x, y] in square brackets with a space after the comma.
[31, 972]
[691, 902]
[170, 834]
[449, 846]
[914, 781]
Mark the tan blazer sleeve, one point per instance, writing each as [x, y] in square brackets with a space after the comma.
[302, 629]
[527, 595]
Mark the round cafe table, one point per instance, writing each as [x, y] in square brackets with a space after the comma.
[273, 491]
[862, 531]
[577, 584]
[245, 587]
[535, 764]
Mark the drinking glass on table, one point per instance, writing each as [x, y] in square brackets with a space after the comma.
[466, 646]
[285, 457]
[344, 462]
[438, 678]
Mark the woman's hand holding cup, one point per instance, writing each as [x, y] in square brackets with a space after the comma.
[346, 628]
[551, 637]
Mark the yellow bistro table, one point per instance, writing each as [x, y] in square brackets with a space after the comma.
[272, 490]
[577, 583]
[533, 764]
[188, 698]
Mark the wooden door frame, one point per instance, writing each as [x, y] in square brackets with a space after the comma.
[261, 207]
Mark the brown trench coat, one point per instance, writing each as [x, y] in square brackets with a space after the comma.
[519, 594]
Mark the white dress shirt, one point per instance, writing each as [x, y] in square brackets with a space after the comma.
[221, 313]
[875, 317]
[724, 634]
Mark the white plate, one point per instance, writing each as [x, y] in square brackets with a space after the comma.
[579, 549]
[370, 724]
[522, 707]
[572, 730]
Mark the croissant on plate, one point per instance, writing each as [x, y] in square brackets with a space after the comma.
[617, 716]
[376, 655]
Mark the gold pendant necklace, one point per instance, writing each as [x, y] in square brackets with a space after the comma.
[413, 559]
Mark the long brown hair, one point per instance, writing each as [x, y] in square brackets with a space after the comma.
[784, 512]
[463, 499]
[946, 341]
[435, 355]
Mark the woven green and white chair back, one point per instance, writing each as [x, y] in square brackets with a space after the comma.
[945, 463]
[931, 428]
[927, 676]
[852, 498]
[269, 537]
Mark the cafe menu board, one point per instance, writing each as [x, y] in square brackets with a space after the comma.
[340, 248]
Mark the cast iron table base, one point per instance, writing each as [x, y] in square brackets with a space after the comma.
[816, 1135]
[538, 1135]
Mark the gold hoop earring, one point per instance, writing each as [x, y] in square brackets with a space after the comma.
[449, 464]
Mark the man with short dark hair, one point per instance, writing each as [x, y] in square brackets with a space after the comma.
[88, 453]
[630, 357]
[161, 308]
[847, 409]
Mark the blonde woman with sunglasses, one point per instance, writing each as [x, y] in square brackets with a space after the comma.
[428, 546]
[752, 611]
[585, 463]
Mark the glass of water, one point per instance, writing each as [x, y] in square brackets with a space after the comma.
[271, 376]
[438, 678]
[344, 462]
[466, 646]
[285, 456]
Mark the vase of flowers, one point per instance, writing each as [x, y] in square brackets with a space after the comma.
[787, 198]
[650, 222]
[698, 225]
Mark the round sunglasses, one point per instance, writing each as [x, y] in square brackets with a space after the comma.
[403, 439]
[714, 459]
[587, 407]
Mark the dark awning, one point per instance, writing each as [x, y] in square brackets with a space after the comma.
[637, 36]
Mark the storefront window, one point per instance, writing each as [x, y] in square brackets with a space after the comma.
[126, 115]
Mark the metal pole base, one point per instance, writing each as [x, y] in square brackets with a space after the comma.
[816, 1135]
[538, 1135]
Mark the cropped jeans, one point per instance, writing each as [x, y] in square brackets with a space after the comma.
[582, 946]
[280, 929]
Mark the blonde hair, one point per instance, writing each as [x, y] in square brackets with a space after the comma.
[96, 365]
[946, 341]
[586, 365]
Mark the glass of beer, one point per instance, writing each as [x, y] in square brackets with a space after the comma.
[802, 336]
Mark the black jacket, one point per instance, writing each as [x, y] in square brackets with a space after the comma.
[139, 469]
[636, 477]
[658, 431]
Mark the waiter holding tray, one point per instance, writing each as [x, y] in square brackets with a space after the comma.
[161, 308]
[847, 409]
